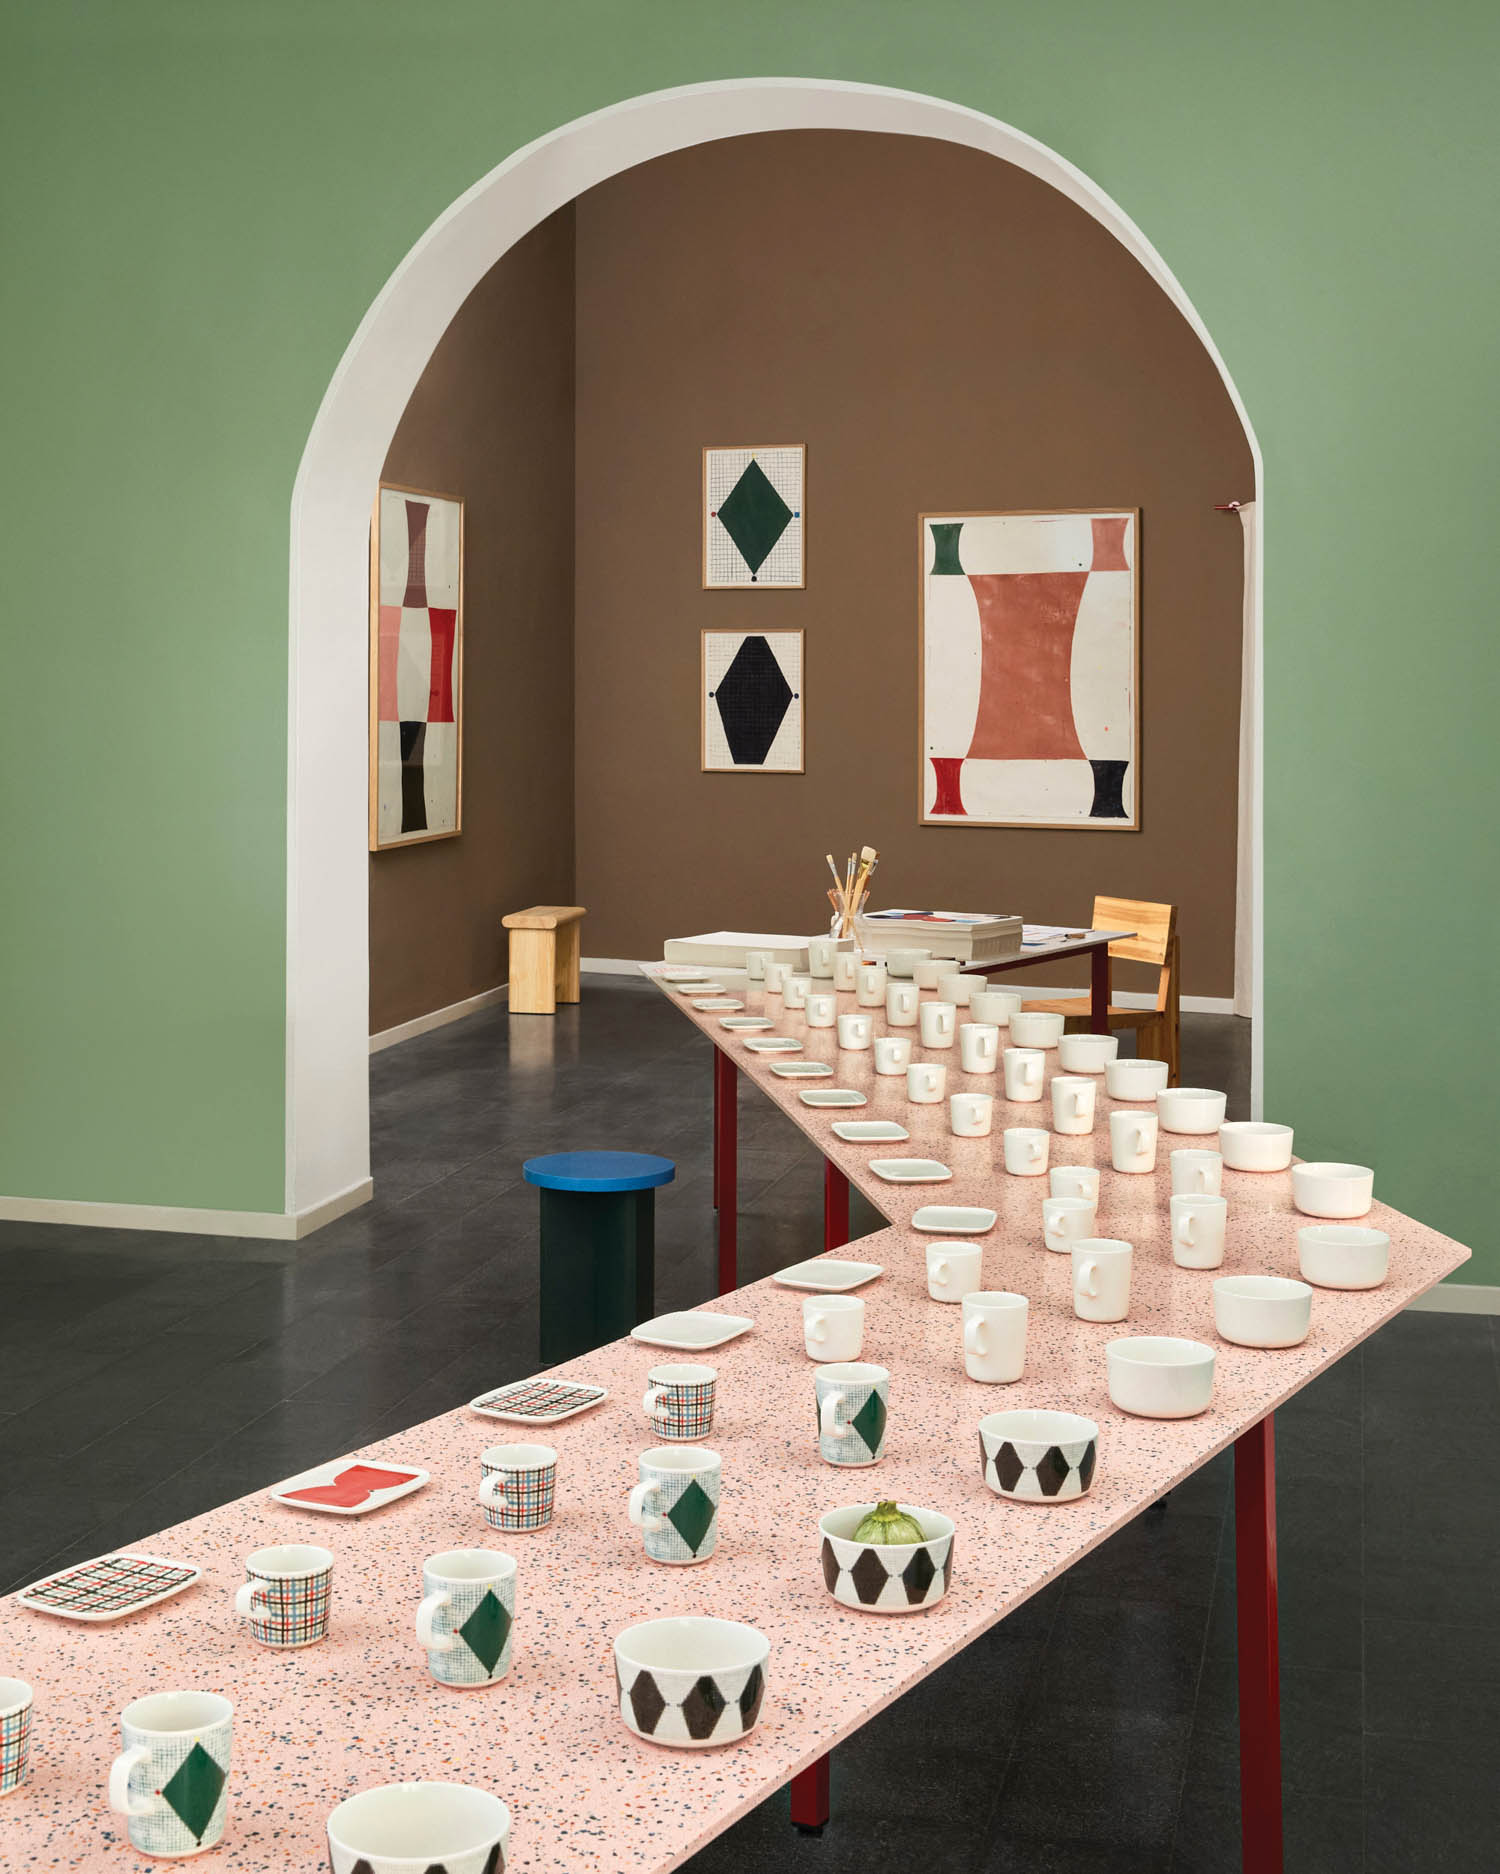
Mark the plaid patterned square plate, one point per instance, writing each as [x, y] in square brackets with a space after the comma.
[348, 1488]
[538, 1401]
[109, 1587]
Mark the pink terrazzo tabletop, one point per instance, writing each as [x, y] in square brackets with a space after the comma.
[312, 1726]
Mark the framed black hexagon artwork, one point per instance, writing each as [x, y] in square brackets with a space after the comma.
[751, 686]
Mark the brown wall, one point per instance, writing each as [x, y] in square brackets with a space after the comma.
[492, 420]
[944, 333]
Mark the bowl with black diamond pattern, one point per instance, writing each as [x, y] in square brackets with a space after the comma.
[886, 1577]
[691, 1682]
[1038, 1457]
[420, 1828]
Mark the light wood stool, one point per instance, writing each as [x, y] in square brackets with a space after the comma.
[543, 957]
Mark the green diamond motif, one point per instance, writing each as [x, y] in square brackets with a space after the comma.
[193, 1790]
[486, 1630]
[869, 1422]
[692, 1514]
[754, 515]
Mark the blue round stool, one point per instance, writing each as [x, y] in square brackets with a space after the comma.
[598, 1246]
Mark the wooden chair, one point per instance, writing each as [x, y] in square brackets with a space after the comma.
[1155, 941]
[543, 957]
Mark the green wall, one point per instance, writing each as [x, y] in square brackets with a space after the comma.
[200, 202]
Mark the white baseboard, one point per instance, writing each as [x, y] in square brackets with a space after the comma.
[281, 1225]
[437, 1018]
[1458, 1298]
[610, 966]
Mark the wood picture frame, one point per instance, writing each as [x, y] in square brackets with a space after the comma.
[767, 716]
[731, 564]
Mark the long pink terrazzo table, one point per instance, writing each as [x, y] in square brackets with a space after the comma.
[313, 1726]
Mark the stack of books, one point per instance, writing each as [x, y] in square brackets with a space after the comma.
[966, 936]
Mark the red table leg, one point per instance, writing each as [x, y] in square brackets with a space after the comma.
[726, 1182]
[810, 1797]
[835, 1206]
[1099, 990]
[1259, 1668]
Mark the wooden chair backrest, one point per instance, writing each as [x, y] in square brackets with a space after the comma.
[1155, 927]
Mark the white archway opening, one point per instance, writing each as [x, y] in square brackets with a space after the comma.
[327, 1008]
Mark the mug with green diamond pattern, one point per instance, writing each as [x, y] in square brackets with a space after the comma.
[853, 1400]
[676, 1503]
[172, 1777]
[467, 1617]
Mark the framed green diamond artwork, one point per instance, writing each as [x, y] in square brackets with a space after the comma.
[753, 516]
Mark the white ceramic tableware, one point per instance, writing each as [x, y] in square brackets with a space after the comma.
[870, 983]
[1190, 1109]
[16, 1702]
[679, 1400]
[926, 1082]
[904, 962]
[1074, 1181]
[177, 1742]
[1073, 1100]
[1025, 1073]
[1160, 1376]
[869, 1131]
[845, 964]
[1087, 1054]
[796, 992]
[1324, 1189]
[1342, 1255]
[1038, 1457]
[518, 1486]
[404, 1828]
[676, 1503]
[1198, 1225]
[1255, 1145]
[953, 1219]
[856, 1031]
[911, 1170]
[822, 1010]
[755, 965]
[776, 977]
[956, 987]
[902, 1002]
[831, 1096]
[1035, 1028]
[892, 1054]
[995, 1006]
[1132, 1141]
[1101, 1278]
[801, 1070]
[745, 1024]
[286, 1594]
[691, 1681]
[692, 1330]
[820, 954]
[1262, 1310]
[1133, 1079]
[853, 1400]
[1196, 1172]
[886, 1577]
[978, 1047]
[466, 1619]
[1026, 1151]
[1066, 1221]
[938, 1022]
[712, 1004]
[970, 1115]
[925, 974]
[828, 1275]
[995, 1335]
[773, 1044]
[953, 1270]
[833, 1327]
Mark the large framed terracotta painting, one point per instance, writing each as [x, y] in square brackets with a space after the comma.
[1030, 669]
[416, 666]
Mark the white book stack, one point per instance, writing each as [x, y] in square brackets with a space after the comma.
[725, 949]
[966, 936]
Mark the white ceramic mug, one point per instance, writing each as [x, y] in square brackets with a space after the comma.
[833, 1327]
[1066, 1221]
[939, 1022]
[775, 978]
[518, 1486]
[844, 966]
[1196, 1172]
[995, 1006]
[970, 1115]
[903, 962]
[1135, 1079]
[1087, 1054]
[1026, 1149]
[956, 987]
[1025, 1073]
[160, 1734]
[755, 965]
[1101, 1278]
[456, 1586]
[1198, 1224]
[1132, 1141]
[17, 1701]
[902, 1001]
[1074, 1181]
[820, 954]
[1035, 1028]
[287, 1594]
[926, 1082]
[856, 1030]
[796, 991]
[995, 1335]
[953, 1270]
[870, 983]
[1072, 1103]
[978, 1047]
[676, 1503]
[925, 974]
[822, 1010]
[892, 1054]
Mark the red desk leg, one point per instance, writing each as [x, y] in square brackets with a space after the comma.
[810, 1797]
[1259, 1669]
[1099, 990]
[835, 1206]
[726, 1146]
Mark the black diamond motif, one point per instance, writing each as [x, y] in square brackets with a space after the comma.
[362, 1867]
[917, 1577]
[830, 1565]
[754, 1692]
[869, 1575]
[1086, 1464]
[646, 1702]
[1052, 1471]
[1008, 1465]
[702, 1709]
[496, 1862]
[754, 515]
[984, 1457]
[753, 697]
[945, 1566]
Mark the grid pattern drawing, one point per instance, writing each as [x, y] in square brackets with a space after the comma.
[753, 516]
[752, 701]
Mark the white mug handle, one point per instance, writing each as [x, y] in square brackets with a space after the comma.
[427, 1634]
[975, 1338]
[817, 1327]
[492, 1490]
[1031, 1073]
[1185, 1230]
[940, 1271]
[636, 1508]
[252, 1600]
[1088, 1280]
[120, 1798]
[1035, 1149]
[652, 1403]
[828, 1418]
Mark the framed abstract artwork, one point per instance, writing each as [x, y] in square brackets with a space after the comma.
[751, 701]
[416, 666]
[753, 516]
[1030, 669]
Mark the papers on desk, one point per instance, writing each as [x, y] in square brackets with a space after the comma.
[1033, 935]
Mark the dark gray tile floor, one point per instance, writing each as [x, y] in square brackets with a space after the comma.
[145, 1378]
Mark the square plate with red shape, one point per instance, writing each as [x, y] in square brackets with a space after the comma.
[348, 1488]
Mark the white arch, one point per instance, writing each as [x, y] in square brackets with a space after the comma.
[327, 1015]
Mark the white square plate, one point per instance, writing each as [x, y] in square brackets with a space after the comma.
[832, 1096]
[953, 1219]
[538, 1401]
[827, 1275]
[681, 974]
[716, 1002]
[345, 1471]
[691, 1330]
[746, 1021]
[773, 1044]
[870, 1131]
[702, 987]
[109, 1587]
[801, 1070]
[910, 1170]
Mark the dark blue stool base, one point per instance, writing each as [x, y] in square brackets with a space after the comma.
[598, 1276]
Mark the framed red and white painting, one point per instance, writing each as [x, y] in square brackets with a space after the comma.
[416, 666]
[1030, 669]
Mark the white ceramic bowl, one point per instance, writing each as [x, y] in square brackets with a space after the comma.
[1262, 1310]
[406, 1828]
[1332, 1190]
[1133, 1079]
[1190, 1109]
[1087, 1054]
[1342, 1255]
[691, 1681]
[1038, 1457]
[1159, 1376]
[904, 962]
[1255, 1145]
[1035, 1028]
[886, 1577]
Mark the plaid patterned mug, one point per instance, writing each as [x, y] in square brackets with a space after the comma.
[679, 1401]
[15, 1733]
[286, 1598]
[518, 1486]
[172, 1778]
